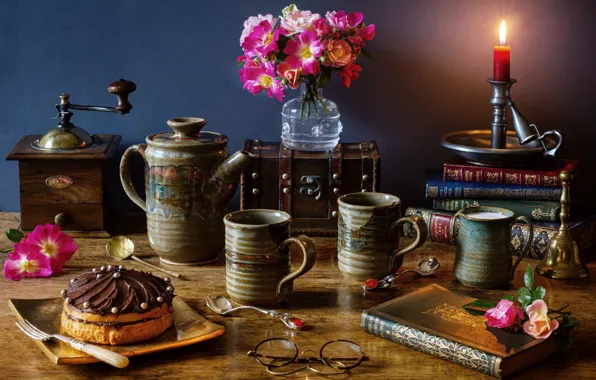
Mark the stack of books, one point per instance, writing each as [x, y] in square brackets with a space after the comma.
[533, 192]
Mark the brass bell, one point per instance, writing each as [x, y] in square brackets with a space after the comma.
[562, 260]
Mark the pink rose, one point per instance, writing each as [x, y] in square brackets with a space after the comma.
[253, 21]
[321, 27]
[342, 21]
[292, 75]
[505, 314]
[338, 53]
[298, 21]
[368, 32]
[539, 325]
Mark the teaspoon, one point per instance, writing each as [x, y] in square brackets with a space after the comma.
[222, 306]
[425, 267]
[121, 248]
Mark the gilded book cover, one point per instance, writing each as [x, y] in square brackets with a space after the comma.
[433, 321]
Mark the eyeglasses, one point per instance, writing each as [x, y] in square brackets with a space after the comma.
[339, 355]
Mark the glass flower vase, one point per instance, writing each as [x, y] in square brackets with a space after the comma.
[310, 122]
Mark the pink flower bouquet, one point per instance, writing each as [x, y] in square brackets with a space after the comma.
[301, 47]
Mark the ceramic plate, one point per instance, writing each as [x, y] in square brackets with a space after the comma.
[189, 327]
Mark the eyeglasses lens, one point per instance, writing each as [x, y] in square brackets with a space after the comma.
[342, 354]
[276, 352]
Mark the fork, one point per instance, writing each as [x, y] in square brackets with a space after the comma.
[106, 356]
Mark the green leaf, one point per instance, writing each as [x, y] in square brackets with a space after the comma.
[282, 41]
[484, 304]
[538, 293]
[524, 296]
[529, 277]
[366, 53]
[509, 297]
[14, 235]
[569, 323]
[6, 250]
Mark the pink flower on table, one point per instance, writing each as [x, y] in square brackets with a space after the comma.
[51, 242]
[367, 33]
[304, 52]
[505, 314]
[261, 41]
[258, 78]
[342, 21]
[338, 53]
[254, 21]
[291, 75]
[349, 73]
[539, 325]
[298, 21]
[25, 262]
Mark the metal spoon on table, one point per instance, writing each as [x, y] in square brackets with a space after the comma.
[222, 306]
[121, 248]
[425, 267]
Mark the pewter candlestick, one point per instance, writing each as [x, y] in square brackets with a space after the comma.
[500, 101]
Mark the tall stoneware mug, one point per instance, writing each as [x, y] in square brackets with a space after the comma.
[483, 246]
[368, 235]
[258, 256]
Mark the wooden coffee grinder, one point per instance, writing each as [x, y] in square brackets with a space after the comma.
[62, 173]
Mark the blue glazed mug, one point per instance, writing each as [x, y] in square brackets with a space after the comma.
[483, 246]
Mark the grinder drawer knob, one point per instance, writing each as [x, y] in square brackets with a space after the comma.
[61, 219]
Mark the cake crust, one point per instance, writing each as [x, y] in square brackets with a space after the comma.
[117, 333]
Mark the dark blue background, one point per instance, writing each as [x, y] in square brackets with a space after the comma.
[428, 75]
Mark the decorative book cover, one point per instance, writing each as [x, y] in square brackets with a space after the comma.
[543, 174]
[439, 230]
[439, 188]
[535, 210]
[432, 320]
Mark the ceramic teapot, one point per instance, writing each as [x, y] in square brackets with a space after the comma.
[189, 179]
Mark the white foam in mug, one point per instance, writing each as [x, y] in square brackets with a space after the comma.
[486, 215]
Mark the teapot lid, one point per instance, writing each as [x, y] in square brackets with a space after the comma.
[187, 131]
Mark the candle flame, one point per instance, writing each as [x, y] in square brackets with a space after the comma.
[503, 32]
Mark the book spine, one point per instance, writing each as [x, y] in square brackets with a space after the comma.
[479, 174]
[439, 230]
[541, 211]
[437, 346]
[464, 190]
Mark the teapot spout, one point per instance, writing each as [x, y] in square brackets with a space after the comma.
[223, 183]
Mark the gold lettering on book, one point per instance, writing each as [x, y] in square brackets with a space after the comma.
[492, 177]
[512, 178]
[549, 180]
[433, 191]
[531, 180]
[469, 175]
[456, 314]
[452, 175]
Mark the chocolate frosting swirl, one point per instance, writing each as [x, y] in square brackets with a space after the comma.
[112, 287]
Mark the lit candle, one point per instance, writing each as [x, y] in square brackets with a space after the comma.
[502, 56]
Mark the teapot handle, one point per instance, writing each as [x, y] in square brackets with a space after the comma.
[125, 173]
[523, 253]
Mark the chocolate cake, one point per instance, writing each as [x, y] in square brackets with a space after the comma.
[115, 305]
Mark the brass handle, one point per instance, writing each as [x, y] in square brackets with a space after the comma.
[122, 88]
[61, 219]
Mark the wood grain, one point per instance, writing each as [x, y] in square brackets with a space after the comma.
[330, 305]
[86, 187]
[79, 217]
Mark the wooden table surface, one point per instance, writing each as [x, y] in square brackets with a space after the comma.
[330, 304]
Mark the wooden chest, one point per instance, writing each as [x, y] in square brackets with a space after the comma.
[65, 188]
[307, 184]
